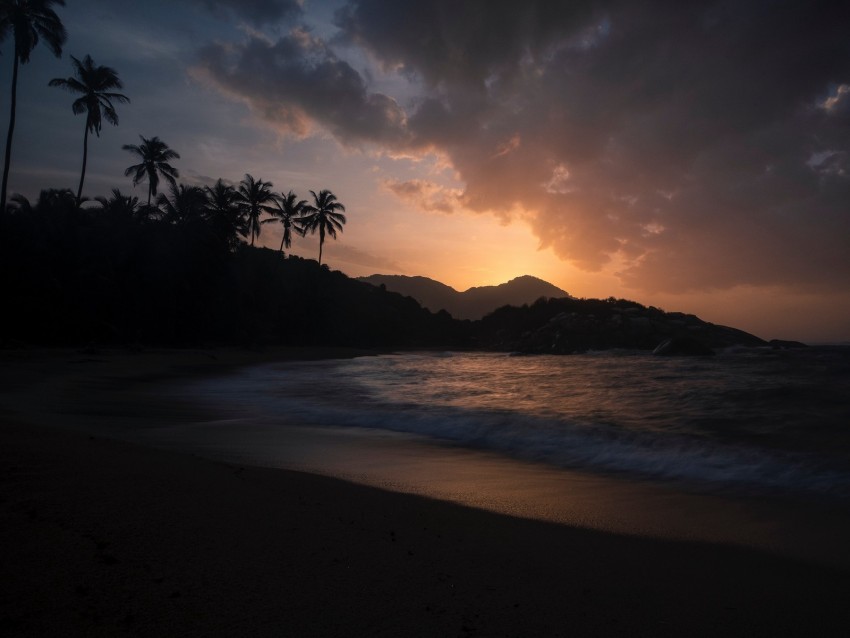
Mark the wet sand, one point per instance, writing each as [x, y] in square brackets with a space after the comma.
[102, 537]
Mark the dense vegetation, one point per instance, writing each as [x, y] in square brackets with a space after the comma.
[117, 274]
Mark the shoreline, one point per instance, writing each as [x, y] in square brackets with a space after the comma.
[102, 537]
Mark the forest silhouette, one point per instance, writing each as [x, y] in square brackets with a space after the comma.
[180, 273]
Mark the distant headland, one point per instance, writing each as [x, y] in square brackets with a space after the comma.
[529, 315]
[473, 303]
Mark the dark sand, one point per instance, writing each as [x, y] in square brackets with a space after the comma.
[104, 538]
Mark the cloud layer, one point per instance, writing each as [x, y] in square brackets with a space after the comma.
[255, 11]
[297, 81]
[696, 145]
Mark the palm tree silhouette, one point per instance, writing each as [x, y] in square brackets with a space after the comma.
[255, 195]
[186, 204]
[27, 20]
[119, 204]
[288, 210]
[49, 200]
[94, 82]
[323, 217]
[155, 156]
[225, 212]
[19, 203]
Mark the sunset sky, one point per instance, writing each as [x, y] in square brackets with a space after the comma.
[691, 156]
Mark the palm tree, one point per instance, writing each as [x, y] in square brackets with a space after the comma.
[288, 210]
[19, 203]
[27, 20]
[323, 217]
[186, 204]
[155, 156]
[225, 213]
[222, 199]
[119, 204]
[254, 196]
[50, 200]
[56, 198]
[94, 82]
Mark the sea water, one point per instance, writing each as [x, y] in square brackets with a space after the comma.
[751, 446]
[750, 419]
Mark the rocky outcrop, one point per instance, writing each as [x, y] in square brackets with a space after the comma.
[565, 326]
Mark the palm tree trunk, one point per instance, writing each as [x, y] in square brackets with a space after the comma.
[9, 135]
[286, 240]
[150, 191]
[321, 242]
[85, 158]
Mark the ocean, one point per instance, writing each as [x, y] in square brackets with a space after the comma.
[750, 445]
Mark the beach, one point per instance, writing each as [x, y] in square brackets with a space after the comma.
[104, 537]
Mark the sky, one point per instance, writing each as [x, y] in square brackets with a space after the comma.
[690, 156]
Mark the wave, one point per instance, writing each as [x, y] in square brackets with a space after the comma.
[381, 395]
[577, 445]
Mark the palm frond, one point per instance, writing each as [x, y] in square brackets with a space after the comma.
[29, 21]
[110, 115]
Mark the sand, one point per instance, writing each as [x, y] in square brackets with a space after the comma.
[104, 538]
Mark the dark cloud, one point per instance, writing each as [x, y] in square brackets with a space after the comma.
[298, 80]
[425, 195]
[459, 42]
[700, 144]
[256, 11]
[678, 138]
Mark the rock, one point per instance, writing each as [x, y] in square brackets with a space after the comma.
[682, 346]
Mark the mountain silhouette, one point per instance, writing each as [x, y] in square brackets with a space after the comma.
[470, 304]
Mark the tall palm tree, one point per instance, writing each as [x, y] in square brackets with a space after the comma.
[323, 216]
[288, 210]
[27, 20]
[94, 82]
[155, 156]
[255, 195]
[225, 213]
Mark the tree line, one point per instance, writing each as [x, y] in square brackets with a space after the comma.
[233, 210]
[108, 274]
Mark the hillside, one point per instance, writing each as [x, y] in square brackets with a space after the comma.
[470, 304]
[80, 276]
